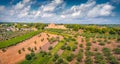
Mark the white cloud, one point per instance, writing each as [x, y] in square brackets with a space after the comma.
[89, 9]
[26, 1]
[47, 15]
[79, 11]
[19, 5]
[50, 7]
[101, 10]
[47, 12]
[115, 1]
[2, 8]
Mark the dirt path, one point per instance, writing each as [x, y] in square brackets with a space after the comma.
[11, 56]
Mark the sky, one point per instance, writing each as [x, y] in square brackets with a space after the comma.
[61, 11]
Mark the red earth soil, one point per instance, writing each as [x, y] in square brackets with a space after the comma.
[11, 56]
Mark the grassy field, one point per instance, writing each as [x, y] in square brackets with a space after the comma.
[17, 39]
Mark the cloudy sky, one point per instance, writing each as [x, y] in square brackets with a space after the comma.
[61, 11]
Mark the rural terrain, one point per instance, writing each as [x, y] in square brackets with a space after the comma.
[38, 43]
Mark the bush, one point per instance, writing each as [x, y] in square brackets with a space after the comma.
[102, 43]
[82, 40]
[29, 49]
[35, 48]
[4, 50]
[81, 45]
[110, 57]
[35, 42]
[60, 60]
[116, 50]
[99, 59]
[76, 62]
[68, 48]
[19, 51]
[113, 60]
[79, 56]
[109, 42]
[81, 50]
[50, 48]
[42, 39]
[56, 56]
[63, 47]
[88, 53]
[118, 39]
[32, 50]
[94, 41]
[88, 60]
[32, 54]
[23, 49]
[118, 46]
[54, 59]
[88, 44]
[88, 48]
[74, 47]
[70, 57]
[28, 57]
[96, 49]
[49, 53]
[43, 53]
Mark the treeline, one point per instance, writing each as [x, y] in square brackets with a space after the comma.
[28, 25]
[24, 25]
[94, 28]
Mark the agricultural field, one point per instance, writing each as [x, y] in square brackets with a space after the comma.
[59, 31]
[77, 44]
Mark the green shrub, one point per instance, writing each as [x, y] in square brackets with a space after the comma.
[23, 49]
[68, 48]
[109, 42]
[88, 44]
[118, 39]
[70, 57]
[3, 50]
[88, 60]
[81, 45]
[60, 60]
[28, 57]
[118, 46]
[95, 49]
[88, 48]
[94, 41]
[89, 53]
[116, 50]
[29, 48]
[74, 48]
[79, 57]
[35, 42]
[56, 56]
[35, 48]
[19, 51]
[82, 40]
[99, 59]
[110, 57]
[50, 48]
[32, 54]
[63, 47]
[43, 53]
[102, 43]
[42, 39]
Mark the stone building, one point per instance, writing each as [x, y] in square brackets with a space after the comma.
[52, 25]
